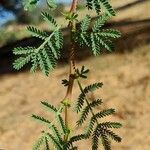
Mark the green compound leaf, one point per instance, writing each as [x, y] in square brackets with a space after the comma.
[49, 107]
[38, 143]
[95, 117]
[115, 125]
[29, 4]
[45, 55]
[46, 144]
[65, 82]
[99, 38]
[82, 73]
[54, 141]
[37, 33]
[21, 61]
[109, 33]
[51, 4]
[75, 138]
[85, 23]
[112, 135]
[102, 132]
[80, 102]
[99, 23]
[47, 17]
[93, 4]
[56, 133]
[108, 8]
[86, 110]
[41, 120]
[99, 5]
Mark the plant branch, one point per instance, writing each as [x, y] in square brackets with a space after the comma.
[72, 26]
[74, 6]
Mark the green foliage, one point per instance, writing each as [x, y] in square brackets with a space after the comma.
[51, 4]
[65, 82]
[70, 16]
[86, 111]
[42, 120]
[99, 38]
[104, 134]
[93, 87]
[54, 141]
[37, 33]
[46, 144]
[95, 117]
[49, 107]
[103, 137]
[82, 96]
[85, 24]
[108, 8]
[46, 54]
[82, 73]
[76, 138]
[97, 4]
[100, 23]
[29, 4]
[38, 143]
[58, 134]
[55, 134]
[93, 4]
[94, 128]
[50, 20]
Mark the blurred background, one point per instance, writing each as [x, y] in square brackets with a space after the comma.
[125, 74]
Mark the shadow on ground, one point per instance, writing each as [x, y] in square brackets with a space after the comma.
[134, 34]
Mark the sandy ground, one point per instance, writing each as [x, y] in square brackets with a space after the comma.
[126, 79]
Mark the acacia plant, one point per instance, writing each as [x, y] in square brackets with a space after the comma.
[58, 133]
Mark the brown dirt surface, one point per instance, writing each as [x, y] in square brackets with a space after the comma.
[126, 79]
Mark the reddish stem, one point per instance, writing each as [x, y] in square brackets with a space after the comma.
[71, 62]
